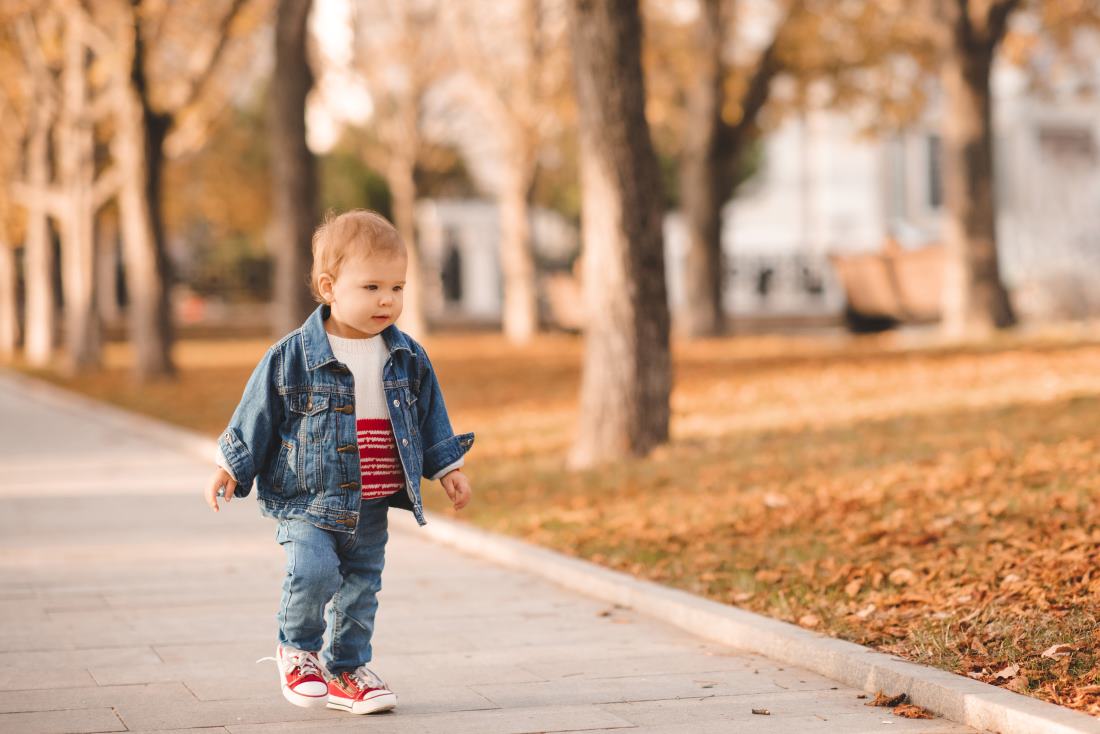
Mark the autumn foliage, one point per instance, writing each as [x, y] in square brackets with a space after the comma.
[937, 504]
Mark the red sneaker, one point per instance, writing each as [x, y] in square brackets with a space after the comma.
[360, 691]
[300, 676]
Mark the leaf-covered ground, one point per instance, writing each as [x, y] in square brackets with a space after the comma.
[939, 504]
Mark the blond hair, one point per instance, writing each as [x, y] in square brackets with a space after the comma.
[358, 232]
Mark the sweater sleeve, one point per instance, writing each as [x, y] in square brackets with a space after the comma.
[449, 468]
[220, 460]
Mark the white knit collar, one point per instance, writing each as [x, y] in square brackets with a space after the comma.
[355, 346]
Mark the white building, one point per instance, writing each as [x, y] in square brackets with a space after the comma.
[460, 240]
[824, 188]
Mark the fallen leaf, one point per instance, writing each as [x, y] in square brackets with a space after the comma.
[866, 611]
[809, 620]
[852, 588]
[902, 577]
[881, 699]
[912, 711]
[1055, 652]
[1007, 672]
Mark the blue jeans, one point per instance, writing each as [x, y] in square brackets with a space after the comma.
[346, 569]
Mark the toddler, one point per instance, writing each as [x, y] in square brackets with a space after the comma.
[338, 423]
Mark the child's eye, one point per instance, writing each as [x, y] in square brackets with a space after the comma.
[397, 287]
[371, 287]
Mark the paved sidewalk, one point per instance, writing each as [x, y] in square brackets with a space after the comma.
[126, 605]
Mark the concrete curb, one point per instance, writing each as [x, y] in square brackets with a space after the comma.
[954, 697]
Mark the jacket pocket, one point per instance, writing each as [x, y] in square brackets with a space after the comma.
[308, 403]
[315, 430]
[283, 478]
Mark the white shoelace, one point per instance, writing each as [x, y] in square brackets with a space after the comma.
[306, 662]
[366, 678]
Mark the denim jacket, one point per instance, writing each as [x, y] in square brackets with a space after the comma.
[294, 431]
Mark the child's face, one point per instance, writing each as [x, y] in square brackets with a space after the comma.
[366, 296]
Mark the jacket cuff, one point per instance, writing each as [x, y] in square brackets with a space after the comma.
[239, 458]
[446, 452]
[220, 460]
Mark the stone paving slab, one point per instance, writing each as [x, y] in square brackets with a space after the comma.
[126, 605]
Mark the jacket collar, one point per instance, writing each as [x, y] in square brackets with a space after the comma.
[318, 351]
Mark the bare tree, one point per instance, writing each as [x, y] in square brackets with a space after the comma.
[41, 311]
[11, 120]
[712, 157]
[516, 91]
[145, 121]
[397, 53]
[81, 190]
[294, 169]
[627, 368]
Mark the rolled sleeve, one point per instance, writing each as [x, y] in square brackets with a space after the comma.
[253, 431]
[238, 459]
[445, 454]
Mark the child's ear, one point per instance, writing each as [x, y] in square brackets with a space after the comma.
[324, 286]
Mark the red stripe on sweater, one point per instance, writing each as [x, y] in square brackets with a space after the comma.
[379, 461]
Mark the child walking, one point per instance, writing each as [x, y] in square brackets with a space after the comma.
[338, 423]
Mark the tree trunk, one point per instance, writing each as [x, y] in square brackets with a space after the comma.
[294, 169]
[39, 264]
[400, 178]
[975, 300]
[77, 217]
[156, 131]
[520, 308]
[9, 306]
[132, 147]
[701, 194]
[624, 402]
[138, 150]
[106, 269]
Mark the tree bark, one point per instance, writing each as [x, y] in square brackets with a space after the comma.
[401, 180]
[106, 273]
[626, 381]
[76, 167]
[41, 309]
[9, 306]
[132, 149]
[975, 300]
[294, 168]
[701, 194]
[520, 309]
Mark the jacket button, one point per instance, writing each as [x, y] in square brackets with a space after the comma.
[404, 442]
[397, 403]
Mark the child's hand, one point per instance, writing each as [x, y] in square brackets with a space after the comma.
[221, 478]
[457, 487]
